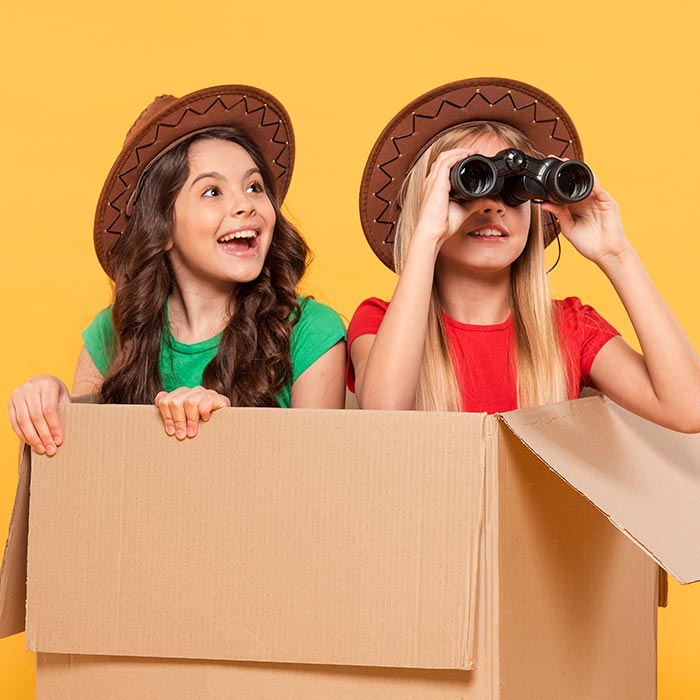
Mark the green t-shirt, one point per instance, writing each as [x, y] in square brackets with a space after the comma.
[319, 328]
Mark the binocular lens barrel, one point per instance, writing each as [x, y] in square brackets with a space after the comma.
[571, 181]
[473, 177]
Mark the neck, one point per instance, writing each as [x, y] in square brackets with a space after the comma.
[196, 315]
[482, 300]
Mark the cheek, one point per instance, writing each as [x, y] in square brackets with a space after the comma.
[525, 214]
[520, 223]
[269, 214]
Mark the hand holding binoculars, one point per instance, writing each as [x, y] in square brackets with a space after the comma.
[518, 178]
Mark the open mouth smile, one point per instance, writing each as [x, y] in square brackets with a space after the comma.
[241, 242]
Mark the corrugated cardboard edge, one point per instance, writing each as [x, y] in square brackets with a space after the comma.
[663, 588]
[489, 628]
[477, 564]
[13, 574]
[606, 404]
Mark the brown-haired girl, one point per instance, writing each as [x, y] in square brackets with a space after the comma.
[471, 325]
[205, 269]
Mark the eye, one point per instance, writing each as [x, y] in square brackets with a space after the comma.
[212, 191]
[256, 187]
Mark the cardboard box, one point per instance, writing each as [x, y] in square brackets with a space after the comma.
[351, 554]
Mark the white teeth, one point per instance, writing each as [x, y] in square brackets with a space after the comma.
[238, 234]
[487, 232]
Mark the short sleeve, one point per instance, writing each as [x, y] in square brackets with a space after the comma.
[319, 328]
[99, 340]
[365, 321]
[585, 332]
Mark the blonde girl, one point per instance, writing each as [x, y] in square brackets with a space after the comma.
[471, 325]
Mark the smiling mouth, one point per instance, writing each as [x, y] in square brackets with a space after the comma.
[239, 242]
[488, 233]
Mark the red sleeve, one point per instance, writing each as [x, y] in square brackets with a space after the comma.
[584, 332]
[365, 321]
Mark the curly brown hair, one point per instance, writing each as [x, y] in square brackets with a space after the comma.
[253, 361]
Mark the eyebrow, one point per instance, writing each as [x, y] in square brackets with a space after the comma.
[218, 176]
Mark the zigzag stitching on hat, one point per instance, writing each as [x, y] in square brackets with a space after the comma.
[276, 121]
[415, 116]
[274, 139]
[185, 112]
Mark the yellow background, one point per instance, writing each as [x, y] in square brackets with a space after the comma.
[76, 74]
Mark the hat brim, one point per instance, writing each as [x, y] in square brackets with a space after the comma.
[254, 112]
[530, 110]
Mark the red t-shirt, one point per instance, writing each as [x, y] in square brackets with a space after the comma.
[483, 355]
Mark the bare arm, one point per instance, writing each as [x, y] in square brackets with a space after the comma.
[322, 385]
[663, 383]
[387, 366]
[87, 379]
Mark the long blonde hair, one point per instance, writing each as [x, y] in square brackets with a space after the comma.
[539, 367]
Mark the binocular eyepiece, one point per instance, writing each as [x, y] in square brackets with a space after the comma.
[518, 178]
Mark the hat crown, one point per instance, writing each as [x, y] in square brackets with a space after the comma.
[159, 104]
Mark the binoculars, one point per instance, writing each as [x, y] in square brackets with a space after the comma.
[518, 178]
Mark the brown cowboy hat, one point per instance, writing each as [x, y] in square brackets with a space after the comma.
[533, 112]
[166, 122]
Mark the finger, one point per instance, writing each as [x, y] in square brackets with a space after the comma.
[179, 417]
[206, 405]
[53, 422]
[36, 411]
[24, 427]
[215, 401]
[440, 169]
[164, 408]
[191, 409]
[15, 422]
[454, 155]
[560, 211]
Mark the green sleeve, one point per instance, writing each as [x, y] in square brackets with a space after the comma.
[319, 328]
[99, 340]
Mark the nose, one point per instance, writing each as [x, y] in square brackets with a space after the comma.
[491, 205]
[242, 205]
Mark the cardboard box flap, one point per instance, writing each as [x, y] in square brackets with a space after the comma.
[645, 478]
[13, 574]
[307, 558]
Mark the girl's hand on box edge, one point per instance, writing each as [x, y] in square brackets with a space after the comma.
[33, 409]
[183, 408]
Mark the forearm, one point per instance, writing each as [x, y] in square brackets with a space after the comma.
[388, 379]
[672, 364]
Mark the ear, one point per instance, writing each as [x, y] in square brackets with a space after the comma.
[169, 245]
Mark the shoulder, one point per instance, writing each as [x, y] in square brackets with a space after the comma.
[103, 318]
[373, 304]
[571, 312]
[315, 316]
[101, 326]
[583, 332]
[316, 331]
[367, 318]
[99, 339]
